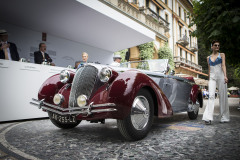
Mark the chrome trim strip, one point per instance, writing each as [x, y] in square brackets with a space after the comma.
[103, 105]
[103, 110]
[34, 104]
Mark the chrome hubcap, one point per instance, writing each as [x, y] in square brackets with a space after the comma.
[196, 107]
[193, 107]
[140, 112]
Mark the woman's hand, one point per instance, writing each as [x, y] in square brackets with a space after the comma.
[225, 79]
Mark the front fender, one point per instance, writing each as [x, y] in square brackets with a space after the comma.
[125, 87]
[52, 86]
[49, 88]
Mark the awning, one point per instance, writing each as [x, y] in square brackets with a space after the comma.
[201, 82]
[185, 49]
[192, 70]
[198, 81]
[158, 4]
[88, 22]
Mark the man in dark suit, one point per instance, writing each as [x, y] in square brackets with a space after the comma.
[8, 50]
[40, 56]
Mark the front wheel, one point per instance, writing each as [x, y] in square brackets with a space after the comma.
[138, 123]
[62, 125]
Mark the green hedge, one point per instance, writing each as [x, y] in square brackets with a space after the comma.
[166, 53]
[146, 51]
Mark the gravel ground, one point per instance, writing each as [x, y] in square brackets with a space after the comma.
[176, 137]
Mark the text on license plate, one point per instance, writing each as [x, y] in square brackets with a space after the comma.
[64, 119]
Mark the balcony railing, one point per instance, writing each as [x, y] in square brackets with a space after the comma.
[193, 47]
[184, 62]
[139, 14]
[158, 18]
[183, 39]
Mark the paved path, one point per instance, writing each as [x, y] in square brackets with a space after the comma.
[170, 138]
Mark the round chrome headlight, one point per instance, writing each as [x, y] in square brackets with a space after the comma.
[82, 100]
[105, 74]
[58, 99]
[64, 76]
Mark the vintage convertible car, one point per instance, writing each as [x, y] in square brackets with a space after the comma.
[133, 97]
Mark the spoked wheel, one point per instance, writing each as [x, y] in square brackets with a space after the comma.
[137, 125]
[193, 109]
[60, 124]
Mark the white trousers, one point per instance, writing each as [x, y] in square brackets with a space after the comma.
[223, 100]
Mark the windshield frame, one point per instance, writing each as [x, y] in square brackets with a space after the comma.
[155, 65]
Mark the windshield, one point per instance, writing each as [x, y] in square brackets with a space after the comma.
[157, 65]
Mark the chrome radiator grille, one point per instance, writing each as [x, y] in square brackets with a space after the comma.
[83, 83]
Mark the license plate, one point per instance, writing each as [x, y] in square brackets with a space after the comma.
[64, 119]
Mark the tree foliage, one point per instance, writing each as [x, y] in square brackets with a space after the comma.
[219, 19]
[146, 50]
[165, 52]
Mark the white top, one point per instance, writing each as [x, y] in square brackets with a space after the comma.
[116, 64]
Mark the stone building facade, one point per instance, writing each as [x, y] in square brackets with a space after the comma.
[169, 19]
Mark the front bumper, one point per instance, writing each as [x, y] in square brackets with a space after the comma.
[86, 110]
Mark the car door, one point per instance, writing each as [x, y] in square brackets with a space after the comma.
[176, 89]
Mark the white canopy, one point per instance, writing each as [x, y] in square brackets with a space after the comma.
[233, 88]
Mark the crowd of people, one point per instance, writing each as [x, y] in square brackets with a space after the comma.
[8, 51]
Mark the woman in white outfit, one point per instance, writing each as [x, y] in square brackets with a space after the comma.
[217, 78]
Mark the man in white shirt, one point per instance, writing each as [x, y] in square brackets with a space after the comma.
[84, 60]
[117, 60]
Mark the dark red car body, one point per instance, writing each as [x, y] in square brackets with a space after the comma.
[121, 89]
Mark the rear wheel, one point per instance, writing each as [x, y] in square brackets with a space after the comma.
[138, 123]
[193, 109]
[62, 125]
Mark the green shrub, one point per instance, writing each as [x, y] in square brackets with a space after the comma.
[165, 52]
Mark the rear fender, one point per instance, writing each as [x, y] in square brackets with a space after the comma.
[196, 94]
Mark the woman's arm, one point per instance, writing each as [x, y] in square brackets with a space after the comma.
[224, 67]
[208, 68]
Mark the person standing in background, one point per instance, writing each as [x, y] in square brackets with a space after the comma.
[8, 50]
[217, 78]
[117, 59]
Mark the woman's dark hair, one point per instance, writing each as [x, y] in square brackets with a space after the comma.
[215, 41]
